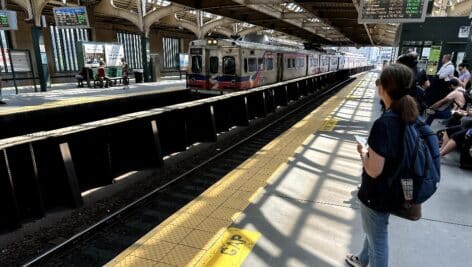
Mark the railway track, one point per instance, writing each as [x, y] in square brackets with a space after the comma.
[104, 240]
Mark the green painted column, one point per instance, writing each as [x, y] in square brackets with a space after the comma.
[468, 48]
[145, 57]
[40, 55]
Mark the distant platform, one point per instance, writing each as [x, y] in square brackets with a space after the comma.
[68, 94]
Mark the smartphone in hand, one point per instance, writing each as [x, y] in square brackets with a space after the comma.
[361, 140]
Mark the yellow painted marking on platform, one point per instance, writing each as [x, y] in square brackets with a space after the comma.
[196, 238]
[231, 249]
[328, 125]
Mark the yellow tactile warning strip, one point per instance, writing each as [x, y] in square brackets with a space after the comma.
[75, 101]
[231, 249]
[329, 124]
[191, 236]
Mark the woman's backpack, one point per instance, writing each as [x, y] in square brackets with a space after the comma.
[419, 172]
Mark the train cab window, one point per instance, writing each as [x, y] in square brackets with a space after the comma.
[260, 63]
[229, 65]
[196, 64]
[213, 64]
[269, 63]
[252, 64]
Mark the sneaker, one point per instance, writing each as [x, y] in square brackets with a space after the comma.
[2, 102]
[353, 261]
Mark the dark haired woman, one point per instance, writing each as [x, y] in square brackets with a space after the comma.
[380, 160]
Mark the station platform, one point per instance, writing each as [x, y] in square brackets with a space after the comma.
[60, 95]
[294, 203]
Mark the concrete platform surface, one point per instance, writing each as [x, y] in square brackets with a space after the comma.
[66, 94]
[309, 214]
[294, 203]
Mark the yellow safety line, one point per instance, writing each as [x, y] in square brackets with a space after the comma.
[194, 235]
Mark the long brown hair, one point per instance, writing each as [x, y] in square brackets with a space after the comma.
[397, 80]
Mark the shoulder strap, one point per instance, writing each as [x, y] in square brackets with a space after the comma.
[389, 114]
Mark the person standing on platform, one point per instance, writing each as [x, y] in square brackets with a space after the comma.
[125, 73]
[420, 79]
[446, 72]
[1, 97]
[381, 157]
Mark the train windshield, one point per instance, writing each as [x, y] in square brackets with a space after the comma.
[229, 65]
[196, 64]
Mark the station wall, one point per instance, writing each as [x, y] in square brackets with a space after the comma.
[442, 31]
[102, 32]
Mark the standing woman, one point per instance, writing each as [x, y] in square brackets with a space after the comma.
[380, 160]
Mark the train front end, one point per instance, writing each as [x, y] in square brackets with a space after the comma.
[213, 65]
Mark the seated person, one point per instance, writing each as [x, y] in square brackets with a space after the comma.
[81, 76]
[455, 138]
[464, 75]
[101, 75]
[442, 108]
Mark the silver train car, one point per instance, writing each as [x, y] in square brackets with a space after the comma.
[229, 65]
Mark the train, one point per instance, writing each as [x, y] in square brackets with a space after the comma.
[233, 65]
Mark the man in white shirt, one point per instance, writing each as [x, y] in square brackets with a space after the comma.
[446, 72]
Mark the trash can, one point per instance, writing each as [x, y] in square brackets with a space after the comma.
[138, 76]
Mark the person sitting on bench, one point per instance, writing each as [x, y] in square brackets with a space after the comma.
[442, 108]
[81, 76]
[101, 75]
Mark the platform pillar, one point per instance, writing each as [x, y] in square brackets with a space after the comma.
[468, 47]
[41, 57]
[145, 57]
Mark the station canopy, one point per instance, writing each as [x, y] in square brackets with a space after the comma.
[323, 22]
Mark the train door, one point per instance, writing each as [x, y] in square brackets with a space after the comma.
[307, 65]
[213, 69]
[280, 67]
[197, 76]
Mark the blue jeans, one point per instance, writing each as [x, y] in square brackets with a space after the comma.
[445, 114]
[375, 250]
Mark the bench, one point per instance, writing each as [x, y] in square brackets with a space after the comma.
[113, 75]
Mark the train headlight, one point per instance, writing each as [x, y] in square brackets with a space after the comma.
[212, 42]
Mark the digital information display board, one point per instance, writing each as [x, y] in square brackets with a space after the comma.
[71, 17]
[392, 11]
[8, 20]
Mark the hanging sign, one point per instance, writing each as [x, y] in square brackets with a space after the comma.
[71, 17]
[392, 11]
[94, 53]
[113, 54]
[8, 20]
[464, 32]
